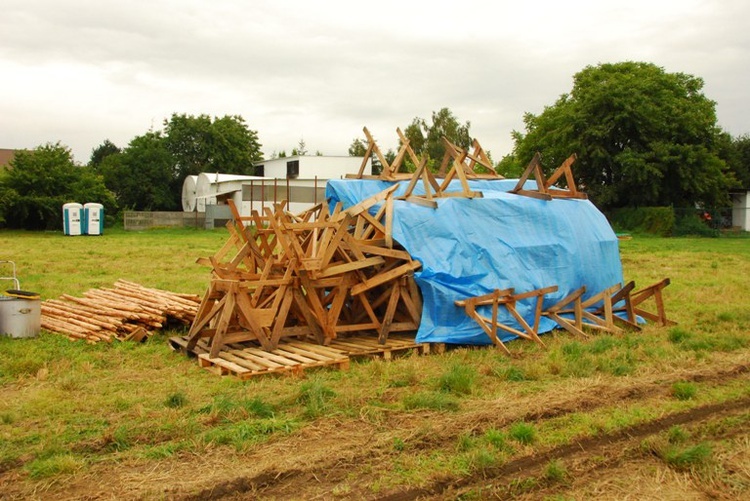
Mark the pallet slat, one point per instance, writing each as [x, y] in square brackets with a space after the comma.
[293, 356]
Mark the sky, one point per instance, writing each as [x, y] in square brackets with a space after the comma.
[79, 72]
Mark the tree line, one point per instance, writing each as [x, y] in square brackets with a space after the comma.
[642, 136]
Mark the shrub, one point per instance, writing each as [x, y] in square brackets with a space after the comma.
[654, 220]
[691, 225]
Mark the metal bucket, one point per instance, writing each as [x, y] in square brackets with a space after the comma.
[20, 318]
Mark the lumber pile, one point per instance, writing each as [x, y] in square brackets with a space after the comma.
[127, 311]
[314, 275]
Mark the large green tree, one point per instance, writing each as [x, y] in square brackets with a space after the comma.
[427, 138]
[101, 152]
[143, 176]
[739, 161]
[204, 144]
[38, 183]
[643, 137]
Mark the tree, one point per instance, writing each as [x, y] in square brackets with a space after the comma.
[40, 181]
[643, 137]
[357, 148]
[202, 144]
[739, 161]
[301, 149]
[427, 138]
[143, 176]
[101, 152]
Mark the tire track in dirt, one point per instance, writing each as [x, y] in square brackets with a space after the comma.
[584, 447]
[329, 471]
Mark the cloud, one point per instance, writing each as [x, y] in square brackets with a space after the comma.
[83, 71]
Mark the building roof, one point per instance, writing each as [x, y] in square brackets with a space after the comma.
[6, 156]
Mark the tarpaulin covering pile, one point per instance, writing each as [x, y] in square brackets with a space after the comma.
[472, 246]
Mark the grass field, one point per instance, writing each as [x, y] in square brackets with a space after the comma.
[659, 414]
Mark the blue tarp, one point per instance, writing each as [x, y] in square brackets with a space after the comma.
[470, 247]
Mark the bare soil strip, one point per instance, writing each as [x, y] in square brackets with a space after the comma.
[580, 448]
[328, 471]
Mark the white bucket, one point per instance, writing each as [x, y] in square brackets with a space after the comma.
[20, 318]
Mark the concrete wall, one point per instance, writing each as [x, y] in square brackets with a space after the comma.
[144, 220]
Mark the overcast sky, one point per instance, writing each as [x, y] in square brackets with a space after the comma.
[82, 71]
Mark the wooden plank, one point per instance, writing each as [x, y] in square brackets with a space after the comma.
[385, 277]
[354, 265]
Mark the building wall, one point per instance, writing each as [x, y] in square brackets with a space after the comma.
[741, 210]
[322, 167]
[301, 194]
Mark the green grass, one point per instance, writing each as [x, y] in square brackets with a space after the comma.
[66, 406]
[52, 264]
[432, 400]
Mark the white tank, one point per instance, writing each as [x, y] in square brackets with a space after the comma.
[209, 184]
[188, 193]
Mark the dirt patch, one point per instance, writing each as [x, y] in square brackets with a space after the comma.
[584, 448]
[343, 457]
[327, 472]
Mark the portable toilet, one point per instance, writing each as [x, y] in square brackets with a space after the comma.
[93, 219]
[72, 219]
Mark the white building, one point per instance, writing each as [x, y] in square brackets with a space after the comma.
[741, 209]
[301, 180]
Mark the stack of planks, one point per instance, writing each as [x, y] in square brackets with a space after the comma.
[128, 311]
[318, 274]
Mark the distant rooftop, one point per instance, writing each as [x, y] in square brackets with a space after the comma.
[5, 156]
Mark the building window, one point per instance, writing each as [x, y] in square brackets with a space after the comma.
[260, 170]
[292, 169]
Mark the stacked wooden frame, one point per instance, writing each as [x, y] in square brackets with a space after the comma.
[610, 310]
[322, 273]
[314, 275]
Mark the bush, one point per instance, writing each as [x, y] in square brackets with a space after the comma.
[690, 224]
[654, 220]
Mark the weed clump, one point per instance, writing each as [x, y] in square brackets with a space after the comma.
[176, 400]
[523, 433]
[684, 390]
[459, 380]
[433, 400]
[316, 398]
[687, 458]
[555, 472]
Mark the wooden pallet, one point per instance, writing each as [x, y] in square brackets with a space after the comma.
[364, 346]
[292, 357]
[246, 360]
